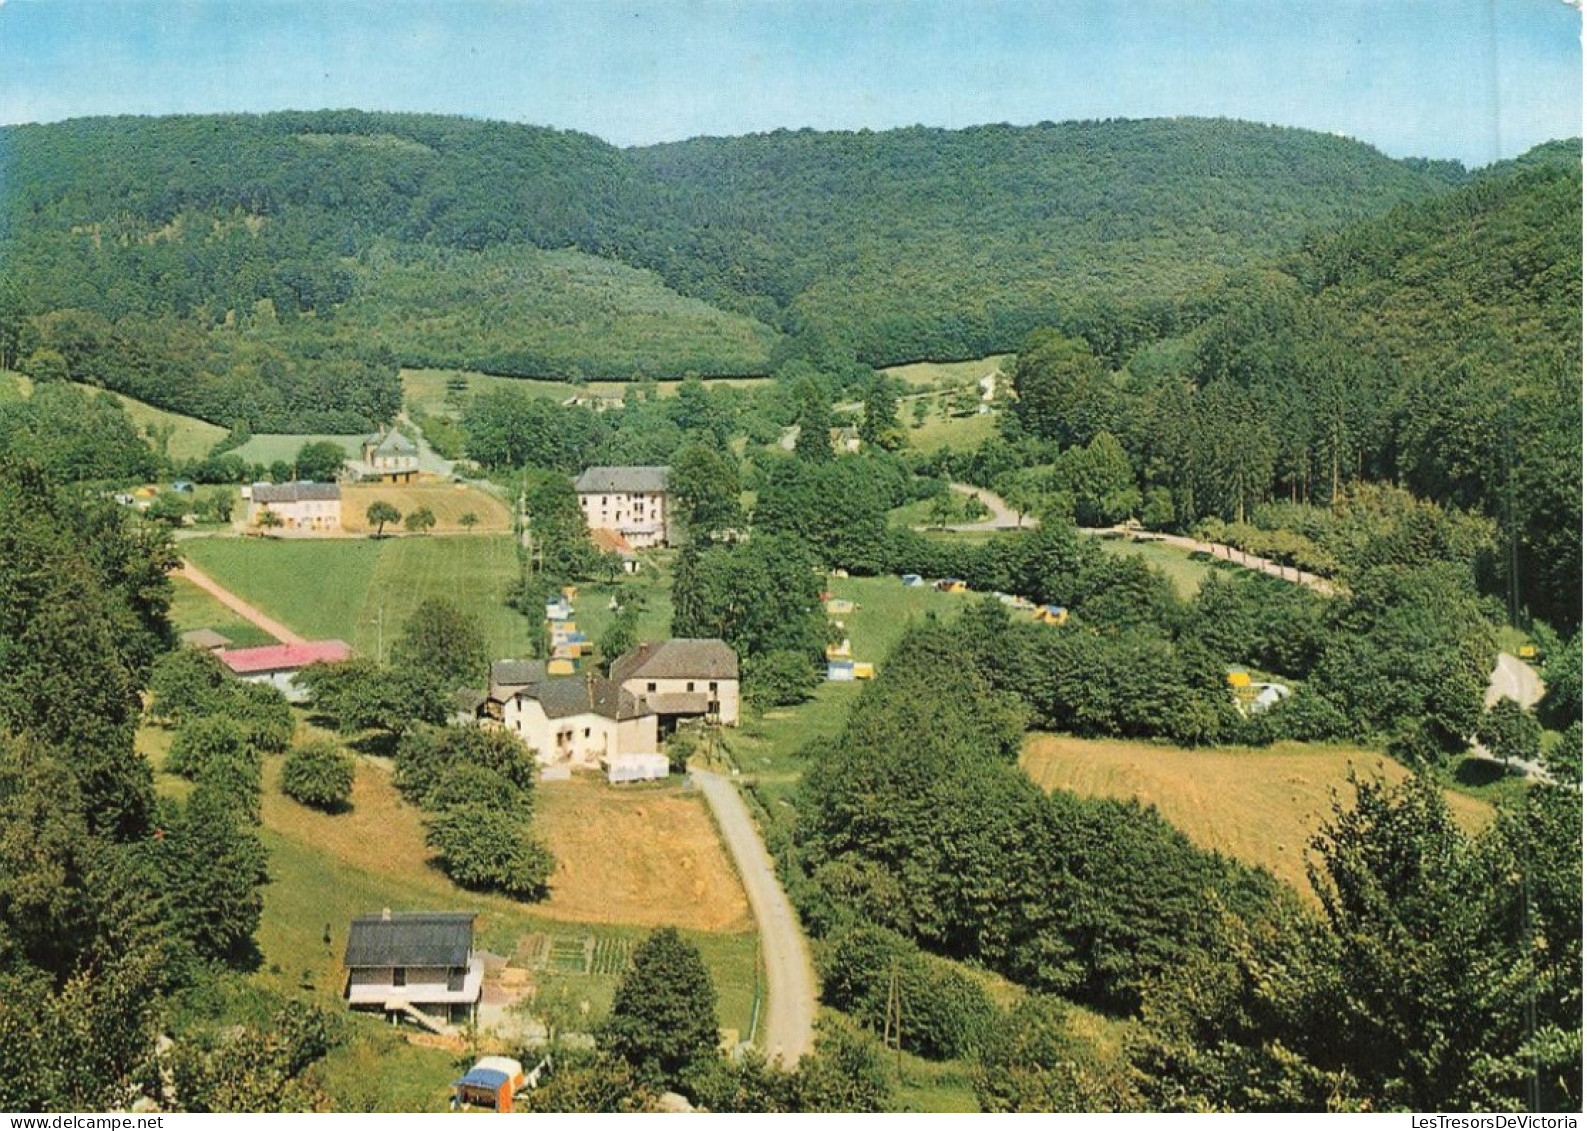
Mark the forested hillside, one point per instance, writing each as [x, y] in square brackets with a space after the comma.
[275, 270]
[1438, 347]
[935, 243]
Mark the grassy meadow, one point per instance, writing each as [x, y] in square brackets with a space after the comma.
[273, 447]
[188, 437]
[940, 374]
[426, 389]
[192, 608]
[1186, 573]
[1260, 806]
[362, 590]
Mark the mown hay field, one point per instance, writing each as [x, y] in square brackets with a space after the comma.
[1260, 806]
[449, 502]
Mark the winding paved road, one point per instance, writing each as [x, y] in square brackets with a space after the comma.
[790, 1013]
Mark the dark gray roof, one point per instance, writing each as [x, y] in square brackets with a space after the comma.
[392, 443]
[416, 938]
[516, 673]
[295, 492]
[566, 695]
[680, 658]
[621, 480]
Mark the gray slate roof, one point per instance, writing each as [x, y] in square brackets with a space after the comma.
[621, 481]
[515, 673]
[679, 658]
[296, 492]
[392, 444]
[567, 695]
[419, 938]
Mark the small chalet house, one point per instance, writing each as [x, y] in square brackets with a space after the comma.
[682, 679]
[419, 965]
[389, 457]
[628, 501]
[279, 664]
[576, 721]
[299, 506]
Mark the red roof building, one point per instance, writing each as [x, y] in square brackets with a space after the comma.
[283, 657]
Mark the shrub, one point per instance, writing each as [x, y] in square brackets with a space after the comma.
[484, 848]
[203, 740]
[319, 774]
[869, 970]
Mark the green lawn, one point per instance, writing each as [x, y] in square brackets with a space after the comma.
[1186, 574]
[934, 373]
[956, 433]
[193, 608]
[270, 447]
[362, 590]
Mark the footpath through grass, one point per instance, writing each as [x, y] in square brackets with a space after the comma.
[363, 590]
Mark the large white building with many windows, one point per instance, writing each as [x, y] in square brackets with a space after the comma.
[628, 501]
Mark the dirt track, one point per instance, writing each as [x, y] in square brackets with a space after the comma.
[236, 604]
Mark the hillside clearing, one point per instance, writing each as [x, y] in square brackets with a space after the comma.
[1186, 573]
[427, 389]
[1259, 806]
[169, 433]
[935, 374]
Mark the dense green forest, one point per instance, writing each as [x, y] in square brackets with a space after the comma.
[275, 270]
[1437, 347]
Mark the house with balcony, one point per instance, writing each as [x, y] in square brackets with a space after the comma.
[418, 966]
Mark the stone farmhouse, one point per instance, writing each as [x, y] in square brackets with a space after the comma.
[631, 502]
[574, 721]
[300, 506]
[682, 679]
[586, 721]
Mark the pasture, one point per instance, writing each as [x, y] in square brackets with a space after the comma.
[362, 590]
[449, 502]
[1186, 573]
[192, 608]
[1260, 806]
[284, 447]
[956, 433]
[945, 374]
[170, 433]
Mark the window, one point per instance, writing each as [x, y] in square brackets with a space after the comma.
[586, 732]
[691, 686]
[399, 976]
[650, 687]
[711, 685]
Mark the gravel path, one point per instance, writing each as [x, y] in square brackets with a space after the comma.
[790, 1014]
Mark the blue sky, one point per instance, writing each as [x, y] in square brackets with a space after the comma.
[1475, 80]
